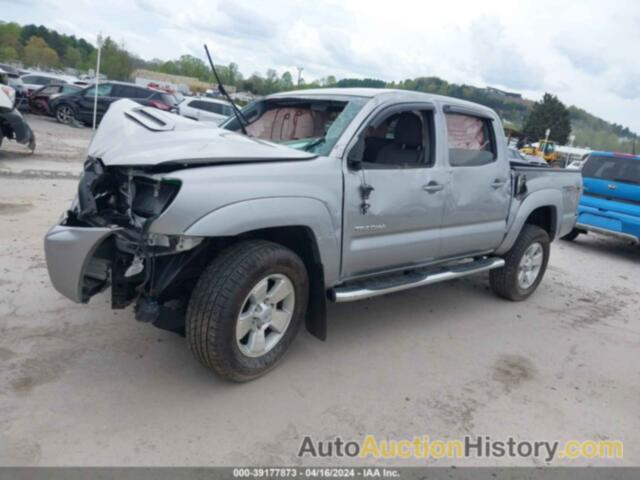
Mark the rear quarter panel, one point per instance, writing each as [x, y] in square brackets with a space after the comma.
[558, 189]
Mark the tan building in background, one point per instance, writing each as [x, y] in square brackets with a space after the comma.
[178, 83]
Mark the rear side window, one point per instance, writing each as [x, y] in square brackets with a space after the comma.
[129, 91]
[213, 107]
[471, 140]
[104, 90]
[614, 169]
[208, 106]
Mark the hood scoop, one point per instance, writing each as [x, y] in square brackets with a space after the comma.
[148, 117]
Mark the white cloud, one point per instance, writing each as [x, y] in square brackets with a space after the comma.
[584, 51]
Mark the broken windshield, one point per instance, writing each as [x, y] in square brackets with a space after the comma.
[313, 125]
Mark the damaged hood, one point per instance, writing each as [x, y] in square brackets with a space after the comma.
[131, 134]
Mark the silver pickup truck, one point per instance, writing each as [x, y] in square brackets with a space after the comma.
[235, 236]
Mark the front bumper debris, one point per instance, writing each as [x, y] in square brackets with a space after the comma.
[76, 268]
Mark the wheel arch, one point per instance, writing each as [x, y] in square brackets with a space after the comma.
[541, 208]
[302, 224]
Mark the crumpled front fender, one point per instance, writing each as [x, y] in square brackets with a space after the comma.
[256, 214]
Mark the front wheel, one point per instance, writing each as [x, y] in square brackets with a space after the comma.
[246, 309]
[524, 267]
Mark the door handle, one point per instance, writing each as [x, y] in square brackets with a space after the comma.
[497, 183]
[432, 187]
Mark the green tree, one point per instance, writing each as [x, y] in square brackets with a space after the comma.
[271, 83]
[234, 74]
[72, 57]
[10, 36]
[551, 114]
[286, 81]
[115, 61]
[8, 54]
[38, 53]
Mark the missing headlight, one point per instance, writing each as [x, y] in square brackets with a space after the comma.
[152, 197]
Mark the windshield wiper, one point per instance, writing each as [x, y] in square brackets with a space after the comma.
[315, 143]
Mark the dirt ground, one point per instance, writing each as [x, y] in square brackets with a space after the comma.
[84, 385]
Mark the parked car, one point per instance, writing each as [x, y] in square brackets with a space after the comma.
[205, 109]
[39, 100]
[238, 235]
[15, 82]
[13, 126]
[610, 202]
[516, 156]
[79, 105]
[35, 80]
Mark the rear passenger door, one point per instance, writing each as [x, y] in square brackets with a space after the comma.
[478, 194]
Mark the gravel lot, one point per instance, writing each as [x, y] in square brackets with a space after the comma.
[84, 385]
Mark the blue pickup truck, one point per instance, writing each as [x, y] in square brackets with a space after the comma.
[610, 202]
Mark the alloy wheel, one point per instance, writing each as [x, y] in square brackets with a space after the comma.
[530, 265]
[265, 315]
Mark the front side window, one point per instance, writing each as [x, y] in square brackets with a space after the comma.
[471, 140]
[69, 89]
[399, 140]
[50, 90]
[547, 148]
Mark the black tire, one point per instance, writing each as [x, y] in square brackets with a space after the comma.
[64, 114]
[219, 296]
[504, 281]
[572, 235]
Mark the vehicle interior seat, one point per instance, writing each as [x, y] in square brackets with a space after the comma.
[407, 146]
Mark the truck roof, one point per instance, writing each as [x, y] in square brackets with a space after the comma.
[391, 93]
[615, 155]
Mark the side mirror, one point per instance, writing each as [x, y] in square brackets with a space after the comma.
[354, 157]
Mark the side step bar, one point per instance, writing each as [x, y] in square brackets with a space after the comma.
[373, 287]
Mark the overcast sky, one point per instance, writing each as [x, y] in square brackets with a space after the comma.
[586, 52]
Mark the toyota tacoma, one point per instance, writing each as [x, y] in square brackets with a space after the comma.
[236, 236]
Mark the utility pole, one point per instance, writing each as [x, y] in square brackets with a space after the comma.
[300, 69]
[95, 86]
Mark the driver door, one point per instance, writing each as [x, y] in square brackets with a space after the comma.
[398, 223]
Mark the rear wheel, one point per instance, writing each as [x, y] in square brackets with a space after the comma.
[64, 114]
[246, 309]
[525, 265]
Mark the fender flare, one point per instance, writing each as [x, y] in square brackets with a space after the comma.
[259, 213]
[541, 198]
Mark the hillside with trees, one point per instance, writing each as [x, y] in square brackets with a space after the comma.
[39, 47]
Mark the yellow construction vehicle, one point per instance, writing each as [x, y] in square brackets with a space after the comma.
[545, 149]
